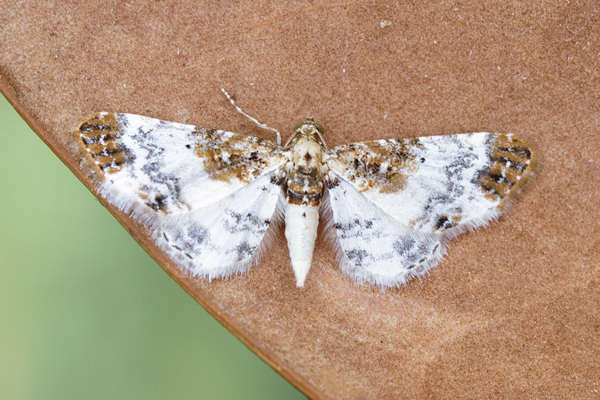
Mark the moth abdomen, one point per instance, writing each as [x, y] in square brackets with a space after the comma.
[303, 189]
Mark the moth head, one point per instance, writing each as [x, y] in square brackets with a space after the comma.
[308, 129]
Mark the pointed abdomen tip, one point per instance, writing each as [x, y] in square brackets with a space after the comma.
[300, 272]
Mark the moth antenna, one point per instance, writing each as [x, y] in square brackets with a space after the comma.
[251, 118]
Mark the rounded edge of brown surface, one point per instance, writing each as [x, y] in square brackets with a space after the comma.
[137, 233]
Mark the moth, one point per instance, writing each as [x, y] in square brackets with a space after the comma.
[210, 196]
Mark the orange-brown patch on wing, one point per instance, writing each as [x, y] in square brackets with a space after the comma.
[511, 173]
[394, 183]
[110, 161]
[512, 163]
[97, 138]
[238, 157]
[373, 165]
[96, 149]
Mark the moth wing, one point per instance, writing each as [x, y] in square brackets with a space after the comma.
[208, 196]
[372, 246]
[168, 166]
[225, 237]
[437, 184]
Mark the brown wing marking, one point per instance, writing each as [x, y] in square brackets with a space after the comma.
[97, 138]
[379, 164]
[512, 162]
[236, 156]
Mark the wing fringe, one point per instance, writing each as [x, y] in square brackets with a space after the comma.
[383, 282]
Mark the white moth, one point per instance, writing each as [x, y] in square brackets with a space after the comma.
[209, 196]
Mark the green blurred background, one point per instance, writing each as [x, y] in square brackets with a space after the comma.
[85, 312]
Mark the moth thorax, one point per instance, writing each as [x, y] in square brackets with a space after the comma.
[304, 184]
[307, 154]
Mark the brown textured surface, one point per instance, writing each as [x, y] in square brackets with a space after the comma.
[512, 311]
